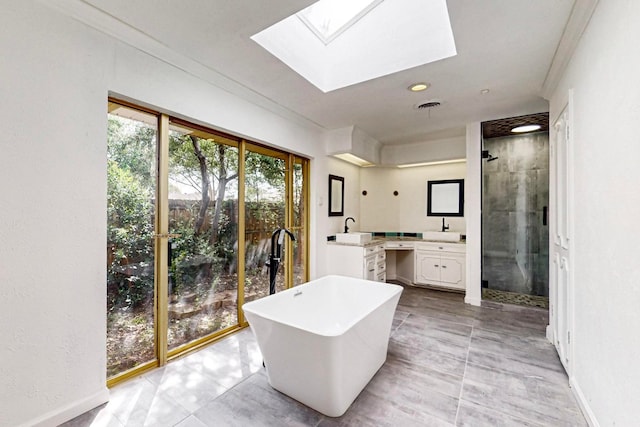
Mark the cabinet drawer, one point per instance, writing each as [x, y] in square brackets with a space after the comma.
[400, 245]
[441, 247]
[370, 250]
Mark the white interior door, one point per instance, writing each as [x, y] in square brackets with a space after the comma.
[561, 277]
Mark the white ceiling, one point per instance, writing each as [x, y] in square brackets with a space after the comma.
[506, 46]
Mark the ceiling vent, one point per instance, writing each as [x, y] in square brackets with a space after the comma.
[426, 105]
[429, 104]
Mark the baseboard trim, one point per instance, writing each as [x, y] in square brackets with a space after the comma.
[58, 416]
[472, 301]
[404, 280]
[582, 402]
[549, 334]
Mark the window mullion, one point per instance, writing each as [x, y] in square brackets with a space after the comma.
[162, 240]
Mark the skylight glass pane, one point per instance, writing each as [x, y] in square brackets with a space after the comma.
[327, 19]
[406, 34]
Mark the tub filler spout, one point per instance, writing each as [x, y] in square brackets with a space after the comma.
[277, 240]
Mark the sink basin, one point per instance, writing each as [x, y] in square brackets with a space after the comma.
[441, 236]
[355, 237]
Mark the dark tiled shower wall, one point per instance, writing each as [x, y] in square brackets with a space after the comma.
[515, 190]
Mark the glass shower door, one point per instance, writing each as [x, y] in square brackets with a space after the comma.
[515, 237]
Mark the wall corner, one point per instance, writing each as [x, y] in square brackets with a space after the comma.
[473, 218]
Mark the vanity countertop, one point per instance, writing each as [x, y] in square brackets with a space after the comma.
[374, 242]
[379, 240]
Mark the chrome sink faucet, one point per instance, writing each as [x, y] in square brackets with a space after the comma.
[346, 229]
[444, 228]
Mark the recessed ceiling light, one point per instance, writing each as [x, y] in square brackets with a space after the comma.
[419, 87]
[484, 91]
[525, 128]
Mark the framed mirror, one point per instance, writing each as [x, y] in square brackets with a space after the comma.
[445, 197]
[336, 195]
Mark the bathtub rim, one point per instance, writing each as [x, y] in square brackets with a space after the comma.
[397, 289]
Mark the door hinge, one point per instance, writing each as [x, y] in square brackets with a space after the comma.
[568, 337]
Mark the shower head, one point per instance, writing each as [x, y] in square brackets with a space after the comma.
[488, 156]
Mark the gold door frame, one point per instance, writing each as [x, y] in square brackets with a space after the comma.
[162, 236]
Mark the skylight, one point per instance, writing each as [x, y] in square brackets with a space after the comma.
[327, 19]
[366, 40]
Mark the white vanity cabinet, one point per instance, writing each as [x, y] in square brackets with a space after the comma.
[440, 264]
[363, 262]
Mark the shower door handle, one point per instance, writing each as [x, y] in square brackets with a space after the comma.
[545, 214]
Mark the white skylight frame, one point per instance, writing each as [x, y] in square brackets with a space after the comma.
[393, 36]
[327, 19]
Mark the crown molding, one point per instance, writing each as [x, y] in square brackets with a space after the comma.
[110, 25]
[576, 24]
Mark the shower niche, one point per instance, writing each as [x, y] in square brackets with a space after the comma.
[515, 200]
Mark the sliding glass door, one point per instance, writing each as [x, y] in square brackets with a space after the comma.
[203, 223]
[265, 211]
[191, 212]
[131, 189]
[298, 222]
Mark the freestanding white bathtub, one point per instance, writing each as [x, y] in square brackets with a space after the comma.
[323, 341]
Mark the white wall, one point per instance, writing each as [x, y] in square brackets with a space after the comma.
[351, 175]
[53, 216]
[380, 210]
[473, 214]
[353, 140]
[428, 151]
[56, 75]
[606, 153]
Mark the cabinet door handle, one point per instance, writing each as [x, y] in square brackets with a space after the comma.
[436, 265]
[444, 266]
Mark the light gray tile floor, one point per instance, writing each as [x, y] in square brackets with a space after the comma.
[449, 364]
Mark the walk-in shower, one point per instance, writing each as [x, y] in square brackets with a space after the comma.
[515, 200]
